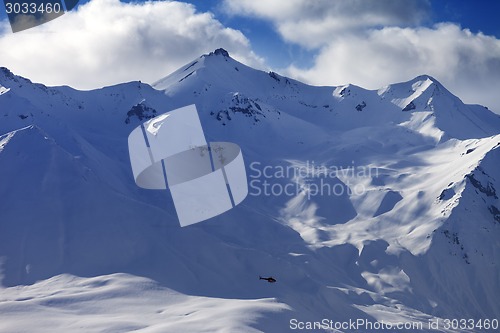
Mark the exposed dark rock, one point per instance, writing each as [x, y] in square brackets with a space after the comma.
[221, 52]
[409, 107]
[140, 111]
[495, 212]
[185, 77]
[361, 106]
[489, 190]
[274, 76]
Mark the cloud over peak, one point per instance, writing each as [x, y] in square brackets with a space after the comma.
[315, 23]
[107, 41]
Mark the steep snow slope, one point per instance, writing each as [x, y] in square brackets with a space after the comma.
[406, 227]
[127, 303]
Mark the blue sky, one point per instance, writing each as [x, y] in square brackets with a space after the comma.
[325, 42]
[476, 15]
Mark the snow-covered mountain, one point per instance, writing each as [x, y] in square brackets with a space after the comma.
[363, 204]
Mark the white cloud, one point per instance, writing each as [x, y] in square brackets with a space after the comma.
[374, 43]
[468, 64]
[107, 42]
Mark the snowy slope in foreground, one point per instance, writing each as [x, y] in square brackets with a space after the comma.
[418, 242]
[123, 303]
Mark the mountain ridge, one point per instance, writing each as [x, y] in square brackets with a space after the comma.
[424, 225]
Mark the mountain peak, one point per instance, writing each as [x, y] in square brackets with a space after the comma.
[216, 66]
[220, 51]
[5, 72]
[424, 77]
